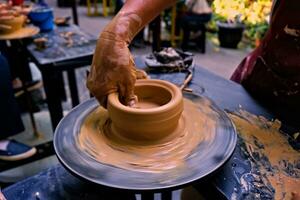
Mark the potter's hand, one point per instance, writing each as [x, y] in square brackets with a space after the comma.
[113, 68]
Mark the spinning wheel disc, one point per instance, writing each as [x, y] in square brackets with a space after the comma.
[208, 155]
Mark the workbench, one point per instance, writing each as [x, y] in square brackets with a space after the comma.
[58, 183]
[59, 56]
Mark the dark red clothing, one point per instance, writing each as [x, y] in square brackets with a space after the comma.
[272, 71]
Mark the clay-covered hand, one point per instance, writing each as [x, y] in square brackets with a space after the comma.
[113, 68]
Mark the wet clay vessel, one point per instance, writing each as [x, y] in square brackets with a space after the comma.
[13, 24]
[154, 117]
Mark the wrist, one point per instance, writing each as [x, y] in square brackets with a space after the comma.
[124, 26]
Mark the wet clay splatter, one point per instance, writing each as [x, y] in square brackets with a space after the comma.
[268, 149]
[103, 145]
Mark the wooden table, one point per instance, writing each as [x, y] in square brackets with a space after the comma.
[59, 57]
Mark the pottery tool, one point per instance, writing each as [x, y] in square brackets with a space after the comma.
[187, 80]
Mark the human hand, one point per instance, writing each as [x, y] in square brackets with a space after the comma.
[113, 68]
[295, 196]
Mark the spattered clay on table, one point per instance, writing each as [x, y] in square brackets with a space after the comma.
[98, 140]
[267, 148]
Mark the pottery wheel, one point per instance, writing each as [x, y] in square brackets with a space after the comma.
[24, 32]
[216, 144]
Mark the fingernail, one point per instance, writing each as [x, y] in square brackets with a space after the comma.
[131, 103]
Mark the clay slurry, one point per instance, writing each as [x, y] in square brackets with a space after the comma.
[98, 141]
[146, 105]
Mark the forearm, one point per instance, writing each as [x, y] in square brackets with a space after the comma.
[134, 15]
[113, 68]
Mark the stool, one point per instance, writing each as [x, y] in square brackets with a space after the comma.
[200, 40]
[194, 22]
[26, 89]
[104, 5]
[174, 37]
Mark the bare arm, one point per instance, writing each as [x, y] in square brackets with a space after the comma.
[147, 10]
[134, 15]
[113, 68]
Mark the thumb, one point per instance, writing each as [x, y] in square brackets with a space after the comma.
[126, 91]
[141, 74]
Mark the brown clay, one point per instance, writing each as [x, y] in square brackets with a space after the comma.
[113, 68]
[156, 135]
[154, 117]
[24, 32]
[13, 24]
[276, 148]
[101, 143]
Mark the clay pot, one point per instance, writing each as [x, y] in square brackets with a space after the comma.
[13, 24]
[154, 117]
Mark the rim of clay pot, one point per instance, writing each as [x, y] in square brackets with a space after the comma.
[155, 123]
[17, 18]
[16, 24]
[176, 97]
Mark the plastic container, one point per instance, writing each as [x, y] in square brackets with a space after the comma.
[42, 17]
[230, 34]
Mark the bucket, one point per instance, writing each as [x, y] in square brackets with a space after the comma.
[42, 17]
[230, 34]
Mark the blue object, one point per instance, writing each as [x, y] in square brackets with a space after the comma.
[10, 118]
[16, 151]
[42, 3]
[56, 183]
[42, 17]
